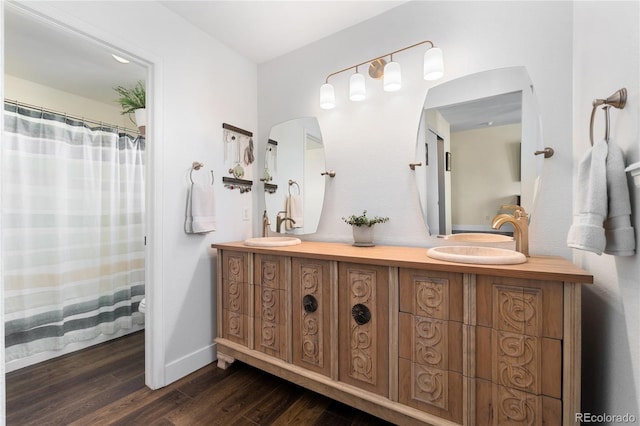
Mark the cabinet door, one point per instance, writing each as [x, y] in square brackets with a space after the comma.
[270, 305]
[430, 342]
[235, 271]
[519, 351]
[311, 288]
[363, 324]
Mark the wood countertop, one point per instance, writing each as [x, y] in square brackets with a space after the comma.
[548, 268]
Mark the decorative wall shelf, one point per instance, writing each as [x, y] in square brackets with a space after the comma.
[270, 188]
[242, 184]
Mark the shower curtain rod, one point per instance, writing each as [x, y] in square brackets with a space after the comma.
[73, 117]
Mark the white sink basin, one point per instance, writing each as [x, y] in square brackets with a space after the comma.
[478, 237]
[272, 241]
[477, 255]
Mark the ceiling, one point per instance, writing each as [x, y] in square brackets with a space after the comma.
[492, 111]
[258, 30]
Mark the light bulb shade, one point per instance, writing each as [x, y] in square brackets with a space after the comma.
[357, 89]
[327, 96]
[433, 64]
[392, 77]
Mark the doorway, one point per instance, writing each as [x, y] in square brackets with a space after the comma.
[147, 72]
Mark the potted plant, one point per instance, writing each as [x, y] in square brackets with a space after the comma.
[134, 101]
[362, 227]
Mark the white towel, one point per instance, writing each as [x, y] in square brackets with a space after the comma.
[142, 307]
[603, 202]
[618, 230]
[587, 231]
[294, 211]
[201, 215]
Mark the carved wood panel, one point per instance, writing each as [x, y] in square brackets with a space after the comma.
[431, 294]
[234, 294]
[517, 361]
[518, 309]
[311, 314]
[521, 306]
[270, 305]
[364, 326]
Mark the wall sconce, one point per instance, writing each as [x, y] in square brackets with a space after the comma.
[379, 68]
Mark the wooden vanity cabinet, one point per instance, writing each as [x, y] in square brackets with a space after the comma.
[363, 323]
[405, 338]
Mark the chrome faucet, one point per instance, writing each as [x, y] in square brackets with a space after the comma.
[280, 218]
[265, 224]
[520, 222]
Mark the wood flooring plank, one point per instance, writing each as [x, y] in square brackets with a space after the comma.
[274, 404]
[70, 412]
[305, 411]
[104, 385]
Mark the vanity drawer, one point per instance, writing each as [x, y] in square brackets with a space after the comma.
[431, 294]
[521, 306]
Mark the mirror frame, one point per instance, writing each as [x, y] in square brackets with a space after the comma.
[280, 183]
[487, 84]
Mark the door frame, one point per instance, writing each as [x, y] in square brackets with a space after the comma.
[154, 332]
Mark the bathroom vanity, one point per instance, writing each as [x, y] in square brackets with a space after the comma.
[410, 339]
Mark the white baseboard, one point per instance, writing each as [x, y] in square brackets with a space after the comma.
[186, 365]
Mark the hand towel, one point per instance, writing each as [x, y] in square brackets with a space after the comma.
[201, 215]
[294, 211]
[618, 230]
[587, 231]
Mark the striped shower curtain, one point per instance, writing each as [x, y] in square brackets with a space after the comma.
[73, 231]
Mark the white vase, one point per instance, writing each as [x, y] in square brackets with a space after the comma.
[363, 236]
[140, 115]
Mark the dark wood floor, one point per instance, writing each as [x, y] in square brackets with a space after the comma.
[104, 385]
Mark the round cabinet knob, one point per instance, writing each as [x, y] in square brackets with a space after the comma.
[309, 303]
[361, 314]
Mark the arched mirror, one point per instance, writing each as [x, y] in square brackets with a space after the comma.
[294, 186]
[476, 144]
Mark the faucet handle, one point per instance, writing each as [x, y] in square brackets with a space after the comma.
[518, 211]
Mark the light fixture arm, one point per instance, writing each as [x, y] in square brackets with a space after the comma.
[379, 57]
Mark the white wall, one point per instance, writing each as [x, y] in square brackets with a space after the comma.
[25, 91]
[371, 143]
[606, 58]
[197, 95]
[485, 174]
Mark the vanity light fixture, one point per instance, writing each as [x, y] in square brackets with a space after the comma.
[357, 88]
[379, 68]
[120, 59]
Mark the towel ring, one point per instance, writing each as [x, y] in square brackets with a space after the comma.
[293, 182]
[197, 166]
[617, 100]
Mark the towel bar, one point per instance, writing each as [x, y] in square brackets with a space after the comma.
[617, 100]
[197, 166]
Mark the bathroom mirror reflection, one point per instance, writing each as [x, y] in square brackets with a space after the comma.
[476, 142]
[294, 187]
